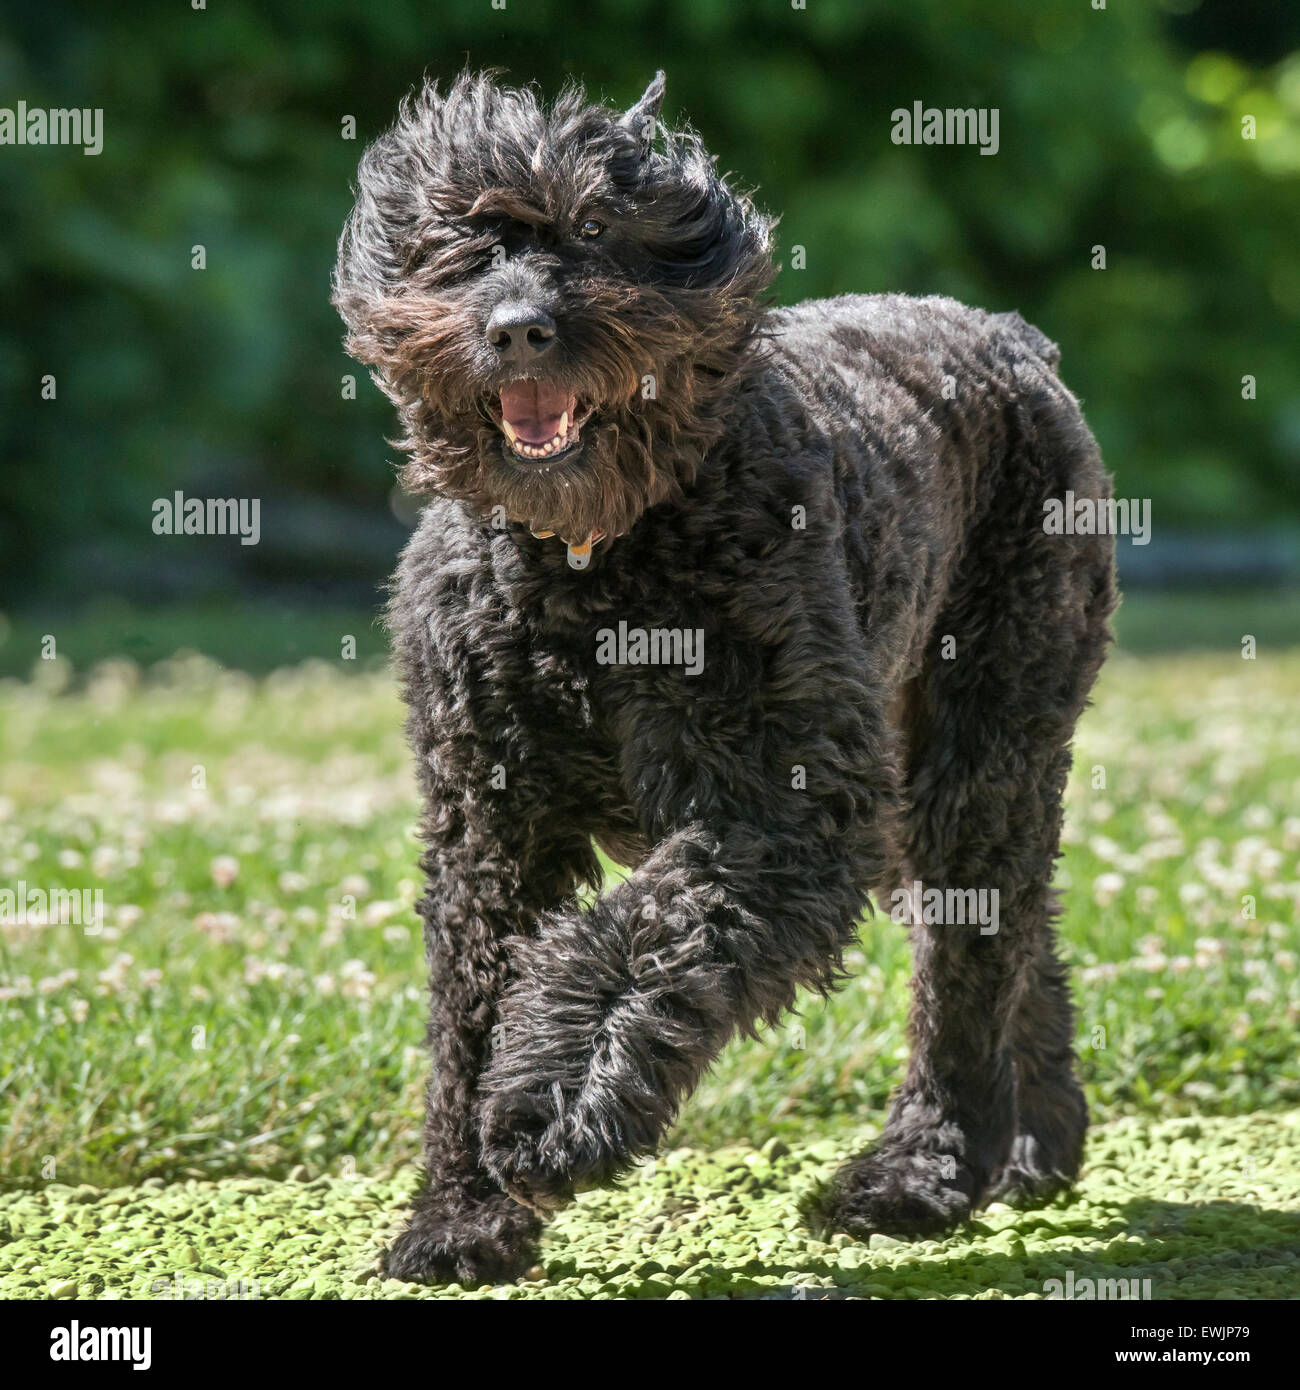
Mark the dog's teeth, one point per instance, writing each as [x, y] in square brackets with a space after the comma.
[558, 442]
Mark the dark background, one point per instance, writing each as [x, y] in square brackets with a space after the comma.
[222, 127]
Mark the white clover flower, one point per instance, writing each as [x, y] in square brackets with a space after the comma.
[224, 870]
[220, 927]
[1106, 887]
[105, 860]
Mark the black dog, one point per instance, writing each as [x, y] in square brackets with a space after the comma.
[759, 601]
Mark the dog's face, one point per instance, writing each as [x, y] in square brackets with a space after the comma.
[557, 306]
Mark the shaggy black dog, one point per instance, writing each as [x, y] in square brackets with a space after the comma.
[759, 601]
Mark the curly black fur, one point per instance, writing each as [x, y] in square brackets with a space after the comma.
[827, 493]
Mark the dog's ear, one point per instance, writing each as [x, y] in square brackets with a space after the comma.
[640, 119]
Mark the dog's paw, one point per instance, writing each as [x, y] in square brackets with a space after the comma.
[543, 1148]
[896, 1193]
[1029, 1178]
[488, 1242]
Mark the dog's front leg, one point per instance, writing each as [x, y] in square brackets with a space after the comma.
[613, 1014]
[463, 1226]
[490, 873]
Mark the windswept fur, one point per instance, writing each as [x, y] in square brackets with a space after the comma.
[844, 502]
[654, 338]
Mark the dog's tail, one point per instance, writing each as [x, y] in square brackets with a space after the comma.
[1027, 334]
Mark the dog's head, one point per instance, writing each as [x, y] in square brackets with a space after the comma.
[557, 299]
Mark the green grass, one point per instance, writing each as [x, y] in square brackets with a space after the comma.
[1177, 1209]
[253, 1005]
[244, 1026]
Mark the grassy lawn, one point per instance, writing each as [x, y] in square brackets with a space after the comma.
[1172, 1208]
[252, 1004]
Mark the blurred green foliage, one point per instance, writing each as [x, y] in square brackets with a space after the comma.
[1119, 127]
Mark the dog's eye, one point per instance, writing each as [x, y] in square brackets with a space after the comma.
[591, 229]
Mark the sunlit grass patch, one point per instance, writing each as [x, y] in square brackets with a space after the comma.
[254, 999]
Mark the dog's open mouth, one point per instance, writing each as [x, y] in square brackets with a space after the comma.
[540, 420]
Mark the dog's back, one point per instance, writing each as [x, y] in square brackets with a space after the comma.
[948, 434]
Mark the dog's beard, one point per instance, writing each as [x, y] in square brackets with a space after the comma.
[632, 454]
[649, 374]
[624, 464]
[600, 488]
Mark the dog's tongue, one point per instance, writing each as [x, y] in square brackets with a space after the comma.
[533, 409]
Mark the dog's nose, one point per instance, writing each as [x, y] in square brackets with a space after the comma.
[519, 331]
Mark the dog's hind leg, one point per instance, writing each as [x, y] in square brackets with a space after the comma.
[1051, 1116]
[952, 1124]
[989, 1096]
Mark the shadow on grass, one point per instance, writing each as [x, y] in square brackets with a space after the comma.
[1169, 1251]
